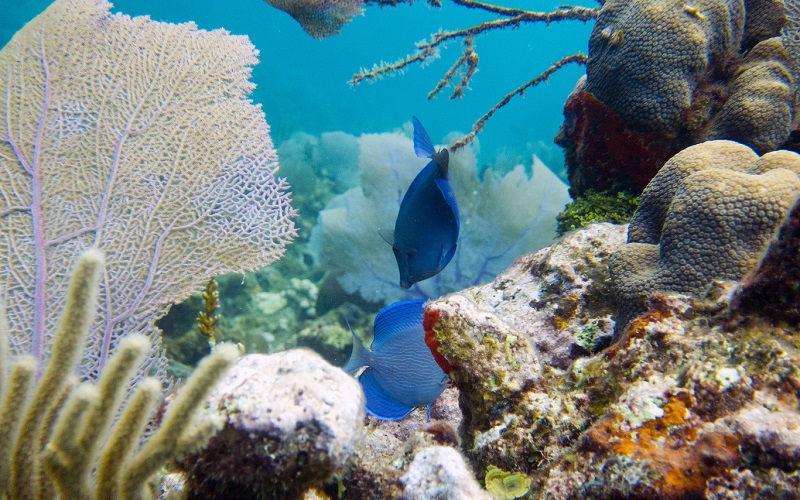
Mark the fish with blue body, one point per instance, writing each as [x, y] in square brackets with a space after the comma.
[401, 373]
[426, 230]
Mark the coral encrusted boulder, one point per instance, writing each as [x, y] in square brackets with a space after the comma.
[708, 215]
[503, 342]
[663, 75]
[693, 400]
[290, 421]
[660, 50]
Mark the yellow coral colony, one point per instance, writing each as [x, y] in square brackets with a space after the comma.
[506, 485]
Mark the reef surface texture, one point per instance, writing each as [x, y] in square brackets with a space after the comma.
[663, 75]
[694, 399]
[708, 214]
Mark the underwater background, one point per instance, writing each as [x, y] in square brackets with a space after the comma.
[655, 356]
[302, 82]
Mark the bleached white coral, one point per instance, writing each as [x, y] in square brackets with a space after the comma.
[501, 220]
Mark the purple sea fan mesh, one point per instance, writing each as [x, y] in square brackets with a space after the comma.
[138, 138]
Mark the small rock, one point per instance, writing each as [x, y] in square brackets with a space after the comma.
[291, 421]
[440, 472]
[773, 437]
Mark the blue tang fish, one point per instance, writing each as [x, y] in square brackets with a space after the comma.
[426, 231]
[401, 373]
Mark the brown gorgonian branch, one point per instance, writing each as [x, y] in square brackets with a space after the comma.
[478, 125]
[468, 61]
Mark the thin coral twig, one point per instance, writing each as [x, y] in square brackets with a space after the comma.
[497, 9]
[478, 126]
[468, 57]
[472, 68]
[427, 49]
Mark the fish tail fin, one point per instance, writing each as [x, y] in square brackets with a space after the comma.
[359, 354]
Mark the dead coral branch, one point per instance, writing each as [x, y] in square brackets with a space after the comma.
[478, 125]
[466, 65]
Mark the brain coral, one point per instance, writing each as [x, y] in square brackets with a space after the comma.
[666, 74]
[660, 49]
[759, 109]
[708, 214]
[765, 18]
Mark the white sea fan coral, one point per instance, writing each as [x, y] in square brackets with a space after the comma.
[501, 219]
[137, 138]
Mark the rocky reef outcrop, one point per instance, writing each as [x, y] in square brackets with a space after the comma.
[694, 399]
[697, 397]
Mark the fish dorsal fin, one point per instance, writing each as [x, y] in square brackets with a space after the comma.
[423, 145]
[387, 235]
[446, 188]
[379, 403]
[398, 319]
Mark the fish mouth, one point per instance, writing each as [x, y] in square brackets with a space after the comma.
[405, 284]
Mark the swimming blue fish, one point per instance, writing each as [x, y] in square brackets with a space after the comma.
[426, 231]
[401, 373]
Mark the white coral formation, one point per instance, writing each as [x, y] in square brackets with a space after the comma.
[137, 138]
[501, 219]
[440, 472]
[291, 420]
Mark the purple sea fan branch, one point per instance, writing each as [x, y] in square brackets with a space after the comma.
[142, 142]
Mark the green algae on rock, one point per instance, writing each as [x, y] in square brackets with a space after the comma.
[591, 207]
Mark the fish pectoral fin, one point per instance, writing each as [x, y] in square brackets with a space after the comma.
[446, 188]
[447, 256]
[387, 235]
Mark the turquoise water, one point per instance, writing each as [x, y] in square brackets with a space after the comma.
[302, 82]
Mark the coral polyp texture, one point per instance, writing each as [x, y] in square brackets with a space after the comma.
[759, 109]
[708, 215]
[649, 72]
[137, 138]
[320, 18]
[773, 289]
[668, 74]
